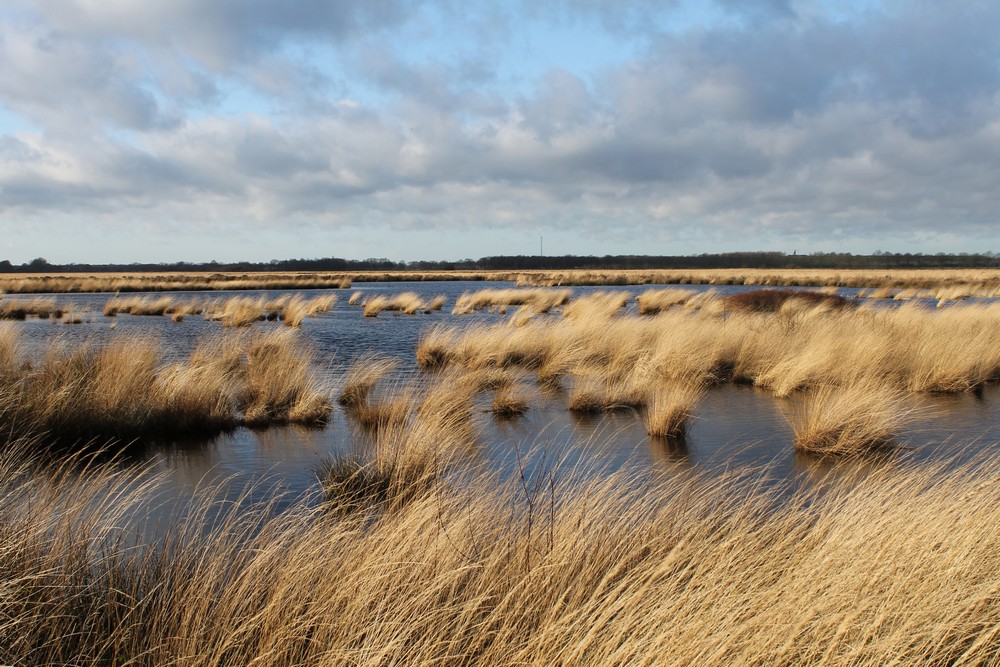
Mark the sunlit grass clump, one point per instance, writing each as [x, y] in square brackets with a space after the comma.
[850, 421]
[670, 408]
[540, 300]
[408, 303]
[125, 389]
[21, 309]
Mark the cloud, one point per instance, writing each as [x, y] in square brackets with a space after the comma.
[790, 124]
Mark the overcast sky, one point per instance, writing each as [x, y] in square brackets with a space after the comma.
[164, 130]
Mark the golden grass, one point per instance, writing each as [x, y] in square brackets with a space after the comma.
[238, 311]
[124, 389]
[652, 302]
[597, 304]
[942, 283]
[362, 376]
[152, 306]
[169, 282]
[670, 408]
[946, 284]
[509, 401]
[898, 567]
[540, 300]
[801, 345]
[852, 420]
[408, 303]
[20, 309]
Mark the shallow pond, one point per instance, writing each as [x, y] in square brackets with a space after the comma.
[733, 426]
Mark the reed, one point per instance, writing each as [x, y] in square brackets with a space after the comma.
[124, 390]
[366, 372]
[669, 410]
[509, 401]
[801, 344]
[279, 383]
[170, 282]
[540, 300]
[850, 421]
[152, 306]
[898, 567]
[20, 309]
[600, 305]
[652, 302]
[408, 303]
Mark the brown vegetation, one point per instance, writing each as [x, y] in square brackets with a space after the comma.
[540, 300]
[124, 389]
[772, 300]
[899, 568]
[20, 309]
[800, 346]
[408, 303]
[670, 408]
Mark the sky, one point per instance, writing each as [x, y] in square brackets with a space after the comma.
[193, 130]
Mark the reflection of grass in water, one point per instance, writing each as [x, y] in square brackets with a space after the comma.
[898, 565]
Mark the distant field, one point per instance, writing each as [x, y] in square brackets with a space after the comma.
[961, 283]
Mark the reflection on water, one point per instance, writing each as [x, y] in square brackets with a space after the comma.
[734, 427]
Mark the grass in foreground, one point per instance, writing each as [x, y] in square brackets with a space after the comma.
[897, 568]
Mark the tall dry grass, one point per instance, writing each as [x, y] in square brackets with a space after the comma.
[540, 300]
[849, 421]
[20, 309]
[799, 346]
[670, 408]
[169, 282]
[73, 393]
[408, 303]
[896, 568]
[652, 302]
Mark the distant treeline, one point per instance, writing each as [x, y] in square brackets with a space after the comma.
[729, 260]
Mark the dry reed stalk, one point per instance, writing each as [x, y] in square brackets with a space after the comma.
[509, 401]
[355, 298]
[541, 300]
[408, 303]
[366, 372]
[652, 302]
[850, 421]
[670, 408]
[898, 567]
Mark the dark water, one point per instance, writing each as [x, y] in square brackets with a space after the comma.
[734, 426]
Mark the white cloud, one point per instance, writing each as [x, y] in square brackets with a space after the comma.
[786, 125]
